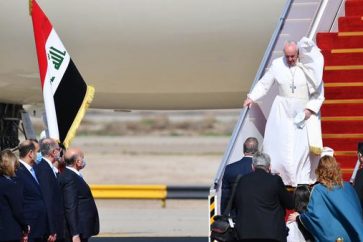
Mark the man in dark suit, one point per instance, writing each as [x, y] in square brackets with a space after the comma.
[241, 167]
[81, 214]
[33, 204]
[260, 202]
[358, 182]
[47, 176]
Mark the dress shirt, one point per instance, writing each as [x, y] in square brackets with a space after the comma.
[30, 169]
[74, 170]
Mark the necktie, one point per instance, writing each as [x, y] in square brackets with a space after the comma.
[55, 171]
[33, 174]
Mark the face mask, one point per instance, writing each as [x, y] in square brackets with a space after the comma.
[39, 157]
[84, 163]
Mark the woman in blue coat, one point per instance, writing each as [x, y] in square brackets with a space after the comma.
[12, 226]
[334, 209]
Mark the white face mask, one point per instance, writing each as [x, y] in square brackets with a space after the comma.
[84, 163]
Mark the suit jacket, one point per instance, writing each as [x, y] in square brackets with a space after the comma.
[52, 197]
[12, 222]
[260, 202]
[358, 185]
[231, 172]
[33, 204]
[79, 206]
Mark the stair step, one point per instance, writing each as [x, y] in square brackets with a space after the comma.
[332, 76]
[334, 59]
[343, 136]
[341, 40]
[347, 174]
[350, 24]
[342, 143]
[353, 8]
[342, 126]
[346, 161]
[341, 108]
[351, 90]
[343, 67]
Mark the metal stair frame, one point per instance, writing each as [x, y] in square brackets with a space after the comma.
[252, 122]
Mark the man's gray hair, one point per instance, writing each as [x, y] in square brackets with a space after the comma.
[261, 159]
[289, 42]
[47, 145]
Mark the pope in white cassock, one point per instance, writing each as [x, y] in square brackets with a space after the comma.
[293, 130]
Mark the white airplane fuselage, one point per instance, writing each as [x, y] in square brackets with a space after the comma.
[144, 54]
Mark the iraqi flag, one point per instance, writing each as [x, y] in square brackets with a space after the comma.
[66, 95]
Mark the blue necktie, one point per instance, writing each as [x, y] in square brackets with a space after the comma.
[33, 174]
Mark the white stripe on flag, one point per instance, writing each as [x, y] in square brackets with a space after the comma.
[57, 58]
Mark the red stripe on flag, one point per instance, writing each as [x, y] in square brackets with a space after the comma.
[42, 28]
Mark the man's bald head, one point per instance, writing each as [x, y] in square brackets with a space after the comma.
[73, 155]
[291, 52]
[28, 151]
[250, 146]
[25, 147]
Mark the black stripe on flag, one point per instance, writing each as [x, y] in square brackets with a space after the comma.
[68, 99]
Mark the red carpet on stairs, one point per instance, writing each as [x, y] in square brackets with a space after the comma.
[342, 112]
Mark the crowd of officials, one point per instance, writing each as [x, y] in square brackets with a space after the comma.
[43, 196]
[329, 210]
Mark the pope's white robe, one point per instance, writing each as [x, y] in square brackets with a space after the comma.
[295, 234]
[285, 142]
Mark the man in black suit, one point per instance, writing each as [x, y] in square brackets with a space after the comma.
[47, 177]
[81, 214]
[358, 182]
[241, 167]
[33, 204]
[260, 202]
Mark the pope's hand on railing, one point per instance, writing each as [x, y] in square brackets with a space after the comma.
[248, 103]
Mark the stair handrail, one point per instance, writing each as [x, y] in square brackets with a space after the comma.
[319, 15]
[341, 6]
[317, 19]
[244, 112]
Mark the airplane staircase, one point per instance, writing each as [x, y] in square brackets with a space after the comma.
[343, 75]
[337, 27]
[342, 112]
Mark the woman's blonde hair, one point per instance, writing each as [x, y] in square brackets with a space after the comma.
[329, 173]
[8, 162]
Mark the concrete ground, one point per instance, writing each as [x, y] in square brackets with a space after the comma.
[152, 160]
[147, 218]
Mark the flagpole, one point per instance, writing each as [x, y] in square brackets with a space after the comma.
[30, 7]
